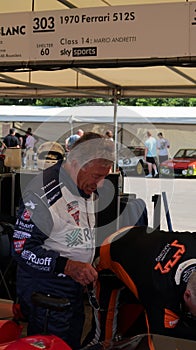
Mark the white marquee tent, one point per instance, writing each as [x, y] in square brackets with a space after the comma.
[55, 123]
[99, 114]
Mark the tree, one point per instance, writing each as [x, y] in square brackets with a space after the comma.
[69, 102]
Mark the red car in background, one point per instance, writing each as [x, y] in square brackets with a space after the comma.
[183, 164]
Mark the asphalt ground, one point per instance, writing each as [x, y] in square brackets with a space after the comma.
[181, 200]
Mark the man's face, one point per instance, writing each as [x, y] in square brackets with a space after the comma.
[92, 175]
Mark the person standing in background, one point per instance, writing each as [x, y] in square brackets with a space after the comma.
[162, 146]
[151, 154]
[109, 135]
[19, 138]
[69, 142]
[24, 137]
[30, 150]
[11, 140]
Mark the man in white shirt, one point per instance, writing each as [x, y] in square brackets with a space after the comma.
[30, 141]
[30, 144]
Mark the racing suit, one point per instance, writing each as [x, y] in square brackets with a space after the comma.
[55, 222]
[155, 267]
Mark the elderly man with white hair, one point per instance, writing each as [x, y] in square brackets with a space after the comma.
[54, 236]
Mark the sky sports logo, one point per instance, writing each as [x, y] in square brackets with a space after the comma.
[79, 52]
[84, 51]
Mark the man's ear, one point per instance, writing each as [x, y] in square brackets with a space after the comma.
[187, 296]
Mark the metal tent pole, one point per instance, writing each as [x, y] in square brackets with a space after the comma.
[115, 132]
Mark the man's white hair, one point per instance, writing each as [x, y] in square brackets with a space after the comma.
[87, 149]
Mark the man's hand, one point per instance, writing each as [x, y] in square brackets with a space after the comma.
[81, 272]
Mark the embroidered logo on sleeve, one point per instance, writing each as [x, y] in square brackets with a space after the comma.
[18, 245]
[165, 267]
[74, 238]
[184, 270]
[30, 204]
[73, 210]
[26, 215]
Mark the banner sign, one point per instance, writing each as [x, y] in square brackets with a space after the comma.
[15, 38]
[103, 33]
[192, 26]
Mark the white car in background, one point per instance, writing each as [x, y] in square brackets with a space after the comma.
[131, 160]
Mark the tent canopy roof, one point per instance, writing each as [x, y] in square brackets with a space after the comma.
[135, 78]
[45, 5]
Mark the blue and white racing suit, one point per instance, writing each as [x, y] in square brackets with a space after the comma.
[55, 222]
